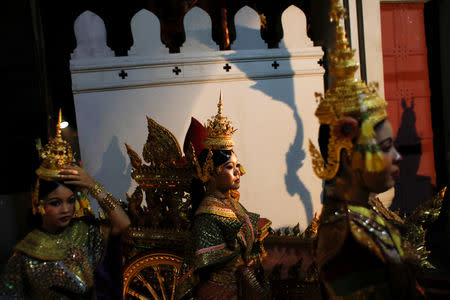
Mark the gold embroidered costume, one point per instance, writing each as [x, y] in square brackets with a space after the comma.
[54, 266]
[360, 251]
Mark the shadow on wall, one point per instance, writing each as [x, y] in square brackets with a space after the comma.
[295, 156]
[411, 189]
[115, 168]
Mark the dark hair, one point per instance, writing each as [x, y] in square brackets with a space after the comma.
[379, 124]
[219, 157]
[46, 187]
[324, 137]
[197, 189]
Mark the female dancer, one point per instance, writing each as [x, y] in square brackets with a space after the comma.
[59, 259]
[360, 253]
[227, 238]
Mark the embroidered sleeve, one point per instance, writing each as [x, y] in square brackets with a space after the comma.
[96, 242]
[210, 243]
[11, 278]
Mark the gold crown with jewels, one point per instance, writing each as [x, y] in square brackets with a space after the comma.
[55, 155]
[351, 108]
[219, 131]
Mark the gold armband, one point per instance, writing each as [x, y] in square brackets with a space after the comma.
[108, 203]
[96, 190]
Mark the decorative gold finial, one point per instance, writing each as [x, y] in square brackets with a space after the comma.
[219, 131]
[220, 105]
[58, 126]
[350, 108]
[55, 155]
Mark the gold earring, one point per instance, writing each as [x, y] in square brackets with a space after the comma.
[41, 209]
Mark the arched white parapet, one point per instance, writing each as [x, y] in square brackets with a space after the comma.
[248, 33]
[146, 35]
[294, 29]
[197, 25]
[90, 33]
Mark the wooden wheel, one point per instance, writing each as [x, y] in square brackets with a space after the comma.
[152, 276]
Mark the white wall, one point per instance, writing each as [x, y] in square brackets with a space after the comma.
[273, 110]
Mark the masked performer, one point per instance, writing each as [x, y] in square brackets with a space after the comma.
[227, 238]
[59, 259]
[360, 253]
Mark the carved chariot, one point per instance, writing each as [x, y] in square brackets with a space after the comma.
[159, 210]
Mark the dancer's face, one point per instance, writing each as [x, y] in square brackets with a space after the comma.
[228, 176]
[59, 206]
[382, 181]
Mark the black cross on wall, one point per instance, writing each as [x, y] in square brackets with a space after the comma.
[227, 67]
[123, 74]
[275, 64]
[176, 70]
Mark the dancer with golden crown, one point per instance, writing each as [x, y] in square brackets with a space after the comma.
[225, 261]
[360, 253]
[60, 258]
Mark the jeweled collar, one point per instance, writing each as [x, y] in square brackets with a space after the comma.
[216, 206]
[47, 246]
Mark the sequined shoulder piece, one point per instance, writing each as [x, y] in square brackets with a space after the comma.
[374, 232]
[211, 205]
[46, 246]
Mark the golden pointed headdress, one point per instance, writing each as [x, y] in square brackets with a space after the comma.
[54, 156]
[351, 109]
[218, 137]
[219, 131]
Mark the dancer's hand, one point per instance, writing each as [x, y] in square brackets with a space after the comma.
[77, 176]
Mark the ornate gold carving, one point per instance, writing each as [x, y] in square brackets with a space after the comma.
[162, 148]
[158, 210]
[160, 205]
